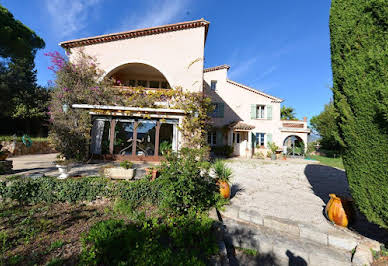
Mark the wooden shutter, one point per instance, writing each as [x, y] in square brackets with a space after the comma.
[253, 111]
[269, 112]
[269, 138]
[221, 110]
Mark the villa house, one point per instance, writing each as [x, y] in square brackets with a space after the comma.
[164, 57]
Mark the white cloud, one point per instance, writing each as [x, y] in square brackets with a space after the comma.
[242, 67]
[155, 13]
[70, 16]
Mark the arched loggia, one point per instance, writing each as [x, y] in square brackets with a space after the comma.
[139, 74]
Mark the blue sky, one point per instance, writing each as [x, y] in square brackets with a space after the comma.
[280, 47]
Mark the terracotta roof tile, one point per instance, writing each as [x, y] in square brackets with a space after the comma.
[137, 33]
[240, 126]
[216, 68]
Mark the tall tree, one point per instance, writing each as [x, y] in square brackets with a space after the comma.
[359, 55]
[325, 124]
[17, 40]
[287, 113]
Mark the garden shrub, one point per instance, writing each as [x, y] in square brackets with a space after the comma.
[183, 240]
[139, 191]
[51, 190]
[359, 55]
[225, 150]
[185, 182]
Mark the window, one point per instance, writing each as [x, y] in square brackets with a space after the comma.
[154, 84]
[212, 138]
[260, 111]
[213, 85]
[142, 83]
[260, 139]
[163, 85]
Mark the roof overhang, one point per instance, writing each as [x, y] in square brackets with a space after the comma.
[127, 110]
[216, 68]
[273, 98]
[240, 126]
[137, 33]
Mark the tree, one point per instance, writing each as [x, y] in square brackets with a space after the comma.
[17, 40]
[359, 56]
[287, 113]
[325, 124]
[21, 97]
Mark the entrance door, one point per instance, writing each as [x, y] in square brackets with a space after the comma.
[240, 143]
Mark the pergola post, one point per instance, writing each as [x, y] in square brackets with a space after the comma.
[157, 138]
[134, 141]
[112, 135]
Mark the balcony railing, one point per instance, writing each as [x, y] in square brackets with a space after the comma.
[294, 125]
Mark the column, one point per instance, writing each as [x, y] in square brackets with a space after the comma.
[112, 135]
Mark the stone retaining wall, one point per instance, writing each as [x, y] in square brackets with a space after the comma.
[18, 148]
[337, 237]
[279, 238]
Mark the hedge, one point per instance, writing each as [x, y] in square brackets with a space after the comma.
[359, 55]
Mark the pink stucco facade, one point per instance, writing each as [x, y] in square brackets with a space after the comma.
[175, 54]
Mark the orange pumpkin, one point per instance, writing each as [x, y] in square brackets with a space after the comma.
[224, 189]
[339, 210]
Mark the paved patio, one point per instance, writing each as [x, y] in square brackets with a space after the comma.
[295, 190]
[42, 164]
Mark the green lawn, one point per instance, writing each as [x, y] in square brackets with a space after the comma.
[333, 162]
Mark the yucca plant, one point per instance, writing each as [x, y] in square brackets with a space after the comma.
[222, 172]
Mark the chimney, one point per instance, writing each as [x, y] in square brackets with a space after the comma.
[305, 119]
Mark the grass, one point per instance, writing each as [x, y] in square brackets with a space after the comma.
[247, 251]
[19, 139]
[333, 162]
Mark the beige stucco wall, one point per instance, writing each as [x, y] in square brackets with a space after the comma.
[178, 55]
[237, 107]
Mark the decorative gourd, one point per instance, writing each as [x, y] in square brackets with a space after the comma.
[224, 189]
[339, 210]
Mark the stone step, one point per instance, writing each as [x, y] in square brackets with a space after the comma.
[281, 248]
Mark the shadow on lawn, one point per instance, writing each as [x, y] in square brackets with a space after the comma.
[325, 180]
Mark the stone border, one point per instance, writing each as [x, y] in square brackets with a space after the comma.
[335, 238]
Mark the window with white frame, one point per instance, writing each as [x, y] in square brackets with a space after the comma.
[212, 138]
[260, 139]
[213, 85]
[260, 111]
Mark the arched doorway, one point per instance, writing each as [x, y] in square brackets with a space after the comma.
[293, 146]
[139, 75]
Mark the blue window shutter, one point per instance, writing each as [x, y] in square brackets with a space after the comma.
[269, 112]
[219, 138]
[254, 139]
[221, 110]
[253, 111]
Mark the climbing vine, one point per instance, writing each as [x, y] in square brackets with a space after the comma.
[82, 82]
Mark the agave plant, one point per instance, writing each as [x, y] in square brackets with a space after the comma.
[222, 172]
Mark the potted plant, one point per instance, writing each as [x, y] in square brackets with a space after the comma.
[125, 171]
[63, 165]
[272, 146]
[223, 175]
[152, 172]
